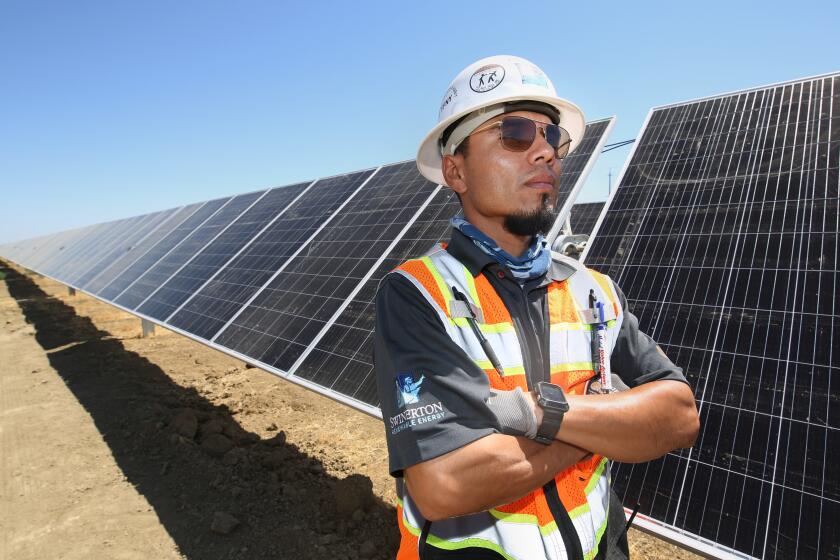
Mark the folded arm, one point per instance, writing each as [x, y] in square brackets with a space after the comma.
[494, 470]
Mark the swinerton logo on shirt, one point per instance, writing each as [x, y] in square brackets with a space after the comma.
[408, 393]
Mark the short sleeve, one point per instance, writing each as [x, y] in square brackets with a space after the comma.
[433, 397]
[636, 357]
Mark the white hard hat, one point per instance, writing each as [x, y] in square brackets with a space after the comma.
[484, 87]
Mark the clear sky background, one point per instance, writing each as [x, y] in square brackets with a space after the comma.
[113, 109]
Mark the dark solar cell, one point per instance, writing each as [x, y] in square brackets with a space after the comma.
[723, 235]
[283, 320]
[214, 305]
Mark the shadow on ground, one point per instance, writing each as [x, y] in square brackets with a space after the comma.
[190, 459]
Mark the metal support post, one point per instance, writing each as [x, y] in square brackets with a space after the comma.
[148, 328]
[71, 291]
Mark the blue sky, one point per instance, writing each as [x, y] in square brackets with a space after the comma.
[112, 109]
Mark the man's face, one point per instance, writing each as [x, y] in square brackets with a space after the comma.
[505, 186]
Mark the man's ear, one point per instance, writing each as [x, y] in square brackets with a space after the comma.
[452, 167]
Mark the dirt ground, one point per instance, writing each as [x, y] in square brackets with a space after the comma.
[117, 446]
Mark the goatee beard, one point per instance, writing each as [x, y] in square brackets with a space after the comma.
[531, 222]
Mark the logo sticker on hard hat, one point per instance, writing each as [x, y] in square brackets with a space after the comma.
[532, 76]
[451, 94]
[487, 78]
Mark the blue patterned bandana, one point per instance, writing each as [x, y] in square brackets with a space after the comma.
[532, 264]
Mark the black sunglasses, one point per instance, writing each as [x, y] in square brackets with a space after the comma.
[518, 134]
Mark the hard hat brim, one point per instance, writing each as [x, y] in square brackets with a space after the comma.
[429, 159]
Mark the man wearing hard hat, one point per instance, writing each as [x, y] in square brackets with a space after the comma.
[500, 431]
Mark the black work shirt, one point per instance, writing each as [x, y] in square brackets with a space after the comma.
[448, 405]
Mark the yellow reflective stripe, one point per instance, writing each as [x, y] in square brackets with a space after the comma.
[509, 370]
[498, 328]
[410, 528]
[596, 476]
[572, 366]
[605, 285]
[524, 519]
[445, 290]
[467, 543]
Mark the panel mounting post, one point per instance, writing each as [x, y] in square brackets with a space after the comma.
[148, 328]
[71, 291]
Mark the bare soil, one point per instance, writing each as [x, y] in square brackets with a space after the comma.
[117, 446]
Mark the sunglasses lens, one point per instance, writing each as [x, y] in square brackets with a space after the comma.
[518, 133]
[558, 137]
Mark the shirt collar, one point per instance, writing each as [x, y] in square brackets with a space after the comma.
[462, 248]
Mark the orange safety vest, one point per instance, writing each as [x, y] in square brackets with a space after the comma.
[526, 528]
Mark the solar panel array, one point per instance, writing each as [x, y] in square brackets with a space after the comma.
[723, 233]
[283, 278]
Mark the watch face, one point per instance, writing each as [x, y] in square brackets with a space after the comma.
[552, 395]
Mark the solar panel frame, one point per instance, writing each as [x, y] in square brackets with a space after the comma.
[655, 525]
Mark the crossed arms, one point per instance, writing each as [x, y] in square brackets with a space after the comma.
[632, 426]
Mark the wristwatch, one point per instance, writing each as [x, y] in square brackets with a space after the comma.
[551, 399]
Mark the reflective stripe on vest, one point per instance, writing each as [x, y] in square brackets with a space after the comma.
[525, 528]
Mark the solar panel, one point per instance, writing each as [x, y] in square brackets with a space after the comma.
[118, 265]
[217, 302]
[278, 325]
[59, 266]
[723, 232]
[212, 259]
[160, 303]
[584, 216]
[110, 253]
[189, 218]
[340, 358]
[121, 230]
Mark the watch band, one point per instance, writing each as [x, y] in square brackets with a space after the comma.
[552, 400]
[549, 427]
